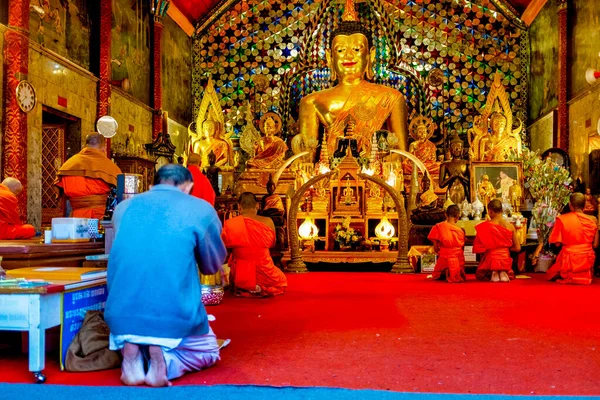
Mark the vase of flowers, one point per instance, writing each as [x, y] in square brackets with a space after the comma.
[550, 187]
[346, 236]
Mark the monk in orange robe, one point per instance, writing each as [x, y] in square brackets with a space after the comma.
[578, 234]
[250, 236]
[86, 178]
[495, 239]
[202, 188]
[449, 241]
[10, 223]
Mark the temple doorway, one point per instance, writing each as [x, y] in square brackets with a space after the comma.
[61, 138]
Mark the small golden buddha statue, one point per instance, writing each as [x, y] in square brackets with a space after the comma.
[516, 195]
[454, 173]
[210, 141]
[348, 195]
[486, 190]
[350, 59]
[492, 137]
[270, 151]
[421, 129]
[591, 204]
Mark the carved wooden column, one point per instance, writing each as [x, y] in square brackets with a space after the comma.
[104, 68]
[562, 137]
[16, 60]
[159, 10]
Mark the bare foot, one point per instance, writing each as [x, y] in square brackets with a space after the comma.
[504, 277]
[132, 368]
[157, 372]
[495, 277]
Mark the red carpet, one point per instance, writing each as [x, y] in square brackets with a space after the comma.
[398, 332]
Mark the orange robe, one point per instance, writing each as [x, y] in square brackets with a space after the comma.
[451, 259]
[86, 179]
[10, 224]
[250, 262]
[575, 262]
[494, 241]
[202, 188]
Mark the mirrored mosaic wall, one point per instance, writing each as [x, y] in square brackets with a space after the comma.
[442, 54]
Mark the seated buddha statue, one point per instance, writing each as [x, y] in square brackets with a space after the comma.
[210, 140]
[492, 137]
[270, 151]
[350, 58]
[591, 204]
[454, 173]
[271, 204]
[421, 129]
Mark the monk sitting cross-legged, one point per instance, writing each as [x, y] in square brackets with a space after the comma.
[448, 241]
[10, 222]
[250, 236]
[495, 239]
[86, 178]
[578, 234]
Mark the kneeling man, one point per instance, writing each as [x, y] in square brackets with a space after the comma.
[449, 242]
[250, 236]
[154, 308]
[578, 234]
[495, 239]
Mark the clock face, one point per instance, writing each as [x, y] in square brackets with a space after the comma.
[26, 96]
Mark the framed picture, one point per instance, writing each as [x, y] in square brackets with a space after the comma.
[493, 180]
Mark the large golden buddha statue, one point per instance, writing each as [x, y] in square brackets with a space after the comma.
[371, 105]
[270, 150]
[209, 135]
[421, 129]
[492, 137]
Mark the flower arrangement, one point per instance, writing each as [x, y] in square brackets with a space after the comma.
[550, 187]
[345, 235]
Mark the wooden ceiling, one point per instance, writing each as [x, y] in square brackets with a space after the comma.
[194, 10]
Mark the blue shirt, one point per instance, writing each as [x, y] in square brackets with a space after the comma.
[161, 239]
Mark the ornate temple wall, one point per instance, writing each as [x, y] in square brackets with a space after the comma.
[177, 72]
[134, 119]
[285, 43]
[584, 20]
[55, 80]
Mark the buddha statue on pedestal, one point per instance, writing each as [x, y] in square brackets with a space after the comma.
[454, 173]
[212, 173]
[421, 129]
[270, 151]
[271, 204]
[591, 204]
[492, 137]
[350, 60]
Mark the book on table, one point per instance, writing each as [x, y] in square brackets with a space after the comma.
[58, 273]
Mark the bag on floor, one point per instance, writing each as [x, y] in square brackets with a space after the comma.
[89, 349]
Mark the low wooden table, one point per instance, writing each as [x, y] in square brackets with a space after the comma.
[32, 253]
[337, 257]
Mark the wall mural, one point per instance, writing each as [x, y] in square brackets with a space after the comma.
[585, 42]
[176, 72]
[62, 26]
[543, 85]
[441, 54]
[130, 47]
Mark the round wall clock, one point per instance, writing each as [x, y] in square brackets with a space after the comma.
[26, 97]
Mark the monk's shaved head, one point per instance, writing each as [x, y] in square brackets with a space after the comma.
[247, 200]
[577, 201]
[194, 159]
[95, 141]
[14, 185]
[453, 211]
[495, 206]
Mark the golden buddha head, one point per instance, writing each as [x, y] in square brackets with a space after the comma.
[351, 54]
[485, 178]
[209, 128]
[422, 132]
[270, 124]
[497, 123]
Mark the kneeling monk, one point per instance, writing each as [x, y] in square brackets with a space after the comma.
[495, 239]
[10, 223]
[578, 234]
[86, 178]
[449, 241]
[250, 236]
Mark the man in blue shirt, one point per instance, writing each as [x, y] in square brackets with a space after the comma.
[154, 305]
